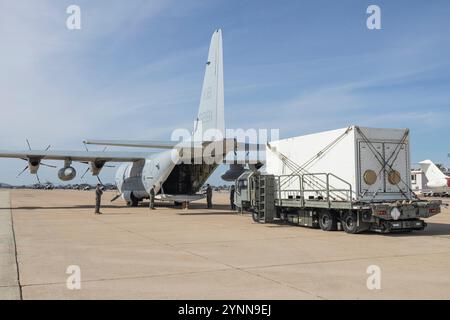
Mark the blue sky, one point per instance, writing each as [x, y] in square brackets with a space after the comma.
[135, 69]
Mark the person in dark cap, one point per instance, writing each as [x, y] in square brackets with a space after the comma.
[209, 196]
[233, 207]
[98, 198]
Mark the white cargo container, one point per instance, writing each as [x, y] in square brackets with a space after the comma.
[374, 162]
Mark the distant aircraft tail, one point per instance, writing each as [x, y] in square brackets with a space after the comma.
[211, 111]
[432, 172]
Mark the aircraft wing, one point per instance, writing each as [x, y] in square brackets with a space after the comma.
[228, 144]
[81, 156]
[135, 143]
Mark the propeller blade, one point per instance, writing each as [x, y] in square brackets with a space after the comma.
[104, 149]
[84, 173]
[116, 197]
[48, 147]
[22, 171]
[85, 146]
[48, 165]
[37, 177]
[100, 181]
[28, 143]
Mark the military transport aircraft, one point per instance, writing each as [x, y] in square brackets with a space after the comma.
[179, 171]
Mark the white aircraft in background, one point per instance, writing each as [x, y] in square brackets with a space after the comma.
[438, 182]
[177, 178]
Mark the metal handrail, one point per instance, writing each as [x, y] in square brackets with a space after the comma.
[344, 181]
[319, 190]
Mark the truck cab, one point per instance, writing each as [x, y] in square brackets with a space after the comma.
[241, 194]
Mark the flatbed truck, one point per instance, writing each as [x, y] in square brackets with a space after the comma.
[261, 195]
[356, 179]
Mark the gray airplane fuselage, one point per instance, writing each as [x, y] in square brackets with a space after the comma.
[134, 180]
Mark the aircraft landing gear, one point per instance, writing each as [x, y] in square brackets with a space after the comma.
[133, 202]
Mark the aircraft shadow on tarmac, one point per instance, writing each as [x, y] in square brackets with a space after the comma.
[217, 209]
[209, 213]
[62, 207]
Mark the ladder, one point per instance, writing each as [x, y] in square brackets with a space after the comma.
[264, 200]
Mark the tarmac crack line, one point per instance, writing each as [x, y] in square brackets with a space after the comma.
[129, 278]
[282, 283]
[15, 248]
[243, 240]
[347, 260]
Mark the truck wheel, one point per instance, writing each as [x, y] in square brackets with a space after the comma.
[327, 221]
[349, 222]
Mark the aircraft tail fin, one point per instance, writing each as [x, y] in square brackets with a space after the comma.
[432, 172]
[211, 118]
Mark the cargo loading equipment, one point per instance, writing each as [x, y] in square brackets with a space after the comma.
[328, 201]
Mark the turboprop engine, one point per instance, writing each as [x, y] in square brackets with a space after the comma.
[96, 167]
[33, 165]
[237, 169]
[234, 172]
[67, 173]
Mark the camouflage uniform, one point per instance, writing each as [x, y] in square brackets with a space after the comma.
[209, 197]
[152, 198]
[98, 199]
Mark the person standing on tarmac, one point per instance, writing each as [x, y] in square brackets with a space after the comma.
[209, 196]
[233, 207]
[152, 198]
[98, 198]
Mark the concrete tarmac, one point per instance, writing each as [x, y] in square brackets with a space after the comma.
[9, 276]
[169, 253]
